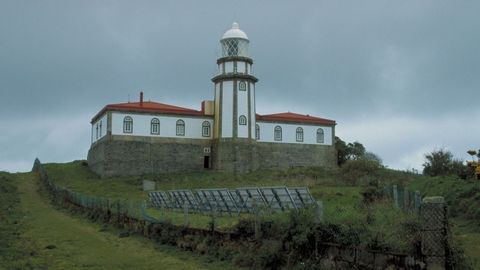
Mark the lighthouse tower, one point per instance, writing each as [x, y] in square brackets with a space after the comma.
[234, 88]
[234, 128]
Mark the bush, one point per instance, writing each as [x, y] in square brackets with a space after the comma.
[441, 163]
[372, 194]
[354, 172]
[269, 255]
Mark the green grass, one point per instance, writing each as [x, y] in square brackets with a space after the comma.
[222, 222]
[463, 199]
[75, 243]
[342, 201]
[15, 252]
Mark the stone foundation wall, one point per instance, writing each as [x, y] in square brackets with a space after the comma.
[242, 155]
[287, 155]
[125, 155]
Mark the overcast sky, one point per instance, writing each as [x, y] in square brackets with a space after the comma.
[401, 77]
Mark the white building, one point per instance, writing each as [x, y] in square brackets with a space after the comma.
[230, 119]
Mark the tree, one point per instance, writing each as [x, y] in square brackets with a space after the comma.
[439, 162]
[353, 151]
[356, 151]
[342, 151]
[372, 157]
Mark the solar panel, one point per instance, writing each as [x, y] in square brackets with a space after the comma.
[160, 199]
[180, 198]
[219, 199]
[301, 196]
[245, 199]
[249, 198]
[278, 198]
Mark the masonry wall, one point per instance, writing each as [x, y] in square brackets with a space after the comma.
[276, 155]
[243, 155]
[128, 155]
[133, 155]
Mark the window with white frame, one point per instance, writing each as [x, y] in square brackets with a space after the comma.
[299, 134]
[242, 86]
[278, 133]
[180, 127]
[320, 136]
[100, 132]
[242, 120]
[206, 129]
[155, 126]
[96, 134]
[127, 124]
[257, 132]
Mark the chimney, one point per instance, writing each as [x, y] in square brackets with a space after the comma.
[141, 98]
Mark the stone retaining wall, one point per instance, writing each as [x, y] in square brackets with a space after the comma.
[124, 155]
[127, 155]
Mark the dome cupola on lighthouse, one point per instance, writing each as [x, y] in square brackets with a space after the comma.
[234, 42]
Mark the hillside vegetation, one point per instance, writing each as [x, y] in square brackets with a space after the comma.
[35, 235]
[377, 224]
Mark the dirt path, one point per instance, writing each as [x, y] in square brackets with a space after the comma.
[78, 244]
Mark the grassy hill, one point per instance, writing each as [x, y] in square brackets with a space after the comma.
[378, 224]
[35, 235]
[340, 190]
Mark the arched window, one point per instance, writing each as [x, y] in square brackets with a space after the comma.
[206, 129]
[320, 136]
[127, 124]
[257, 132]
[242, 120]
[299, 134]
[242, 86]
[278, 133]
[155, 126]
[180, 128]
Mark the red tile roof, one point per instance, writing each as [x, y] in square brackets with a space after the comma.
[295, 117]
[155, 107]
[148, 106]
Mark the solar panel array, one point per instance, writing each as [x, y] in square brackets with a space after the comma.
[247, 199]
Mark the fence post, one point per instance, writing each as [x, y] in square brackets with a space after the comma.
[406, 199]
[319, 212]
[433, 213]
[185, 214]
[214, 218]
[418, 201]
[256, 219]
[318, 220]
[395, 195]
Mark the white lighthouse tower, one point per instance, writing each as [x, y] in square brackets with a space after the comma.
[234, 88]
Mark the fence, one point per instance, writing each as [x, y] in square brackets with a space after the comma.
[118, 208]
[407, 200]
[133, 215]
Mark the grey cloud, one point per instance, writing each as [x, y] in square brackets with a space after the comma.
[346, 60]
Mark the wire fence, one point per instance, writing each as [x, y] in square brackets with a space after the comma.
[403, 198]
[103, 206]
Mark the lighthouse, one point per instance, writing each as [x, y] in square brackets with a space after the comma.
[234, 86]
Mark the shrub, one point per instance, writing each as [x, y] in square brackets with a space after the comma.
[362, 170]
[269, 255]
